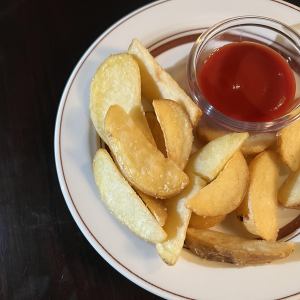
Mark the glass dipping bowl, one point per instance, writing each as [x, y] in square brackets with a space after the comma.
[262, 30]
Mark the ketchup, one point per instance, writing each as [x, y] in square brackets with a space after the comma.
[248, 81]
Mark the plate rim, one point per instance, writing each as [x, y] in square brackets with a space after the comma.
[100, 249]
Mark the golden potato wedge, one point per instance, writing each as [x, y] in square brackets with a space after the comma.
[156, 132]
[289, 192]
[117, 81]
[158, 84]
[142, 164]
[212, 158]
[258, 142]
[218, 246]
[204, 222]
[261, 198]
[156, 206]
[225, 193]
[289, 145]
[208, 132]
[122, 201]
[177, 221]
[177, 130]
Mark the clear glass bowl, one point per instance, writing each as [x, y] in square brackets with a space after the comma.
[262, 30]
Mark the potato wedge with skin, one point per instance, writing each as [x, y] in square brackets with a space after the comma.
[177, 221]
[117, 81]
[156, 132]
[225, 193]
[261, 198]
[289, 192]
[142, 164]
[177, 130]
[289, 145]
[211, 159]
[122, 201]
[204, 222]
[158, 84]
[218, 246]
[156, 206]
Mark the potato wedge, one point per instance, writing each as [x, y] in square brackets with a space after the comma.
[158, 84]
[225, 193]
[156, 132]
[177, 130]
[204, 222]
[209, 132]
[122, 201]
[156, 206]
[258, 142]
[261, 198]
[212, 158]
[289, 145]
[218, 246]
[289, 192]
[117, 81]
[141, 163]
[177, 221]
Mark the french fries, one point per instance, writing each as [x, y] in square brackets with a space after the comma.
[225, 193]
[289, 145]
[117, 81]
[211, 159]
[152, 183]
[122, 201]
[261, 198]
[140, 162]
[289, 193]
[177, 130]
[158, 84]
[217, 246]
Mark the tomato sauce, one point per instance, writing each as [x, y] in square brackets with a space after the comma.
[248, 81]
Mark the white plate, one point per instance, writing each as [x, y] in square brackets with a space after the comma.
[75, 144]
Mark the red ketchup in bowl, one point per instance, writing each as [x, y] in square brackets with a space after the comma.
[248, 81]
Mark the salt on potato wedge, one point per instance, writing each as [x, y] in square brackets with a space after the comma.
[222, 247]
[204, 222]
[156, 132]
[260, 202]
[178, 220]
[289, 145]
[122, 201]
[177, 130]
[117, 81]
[289, 192]
[158, 84]
[156, 206]
[225, 193]
[142, 164]
[211, 159]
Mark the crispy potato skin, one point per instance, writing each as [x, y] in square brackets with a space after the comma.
[228, 248]
[204, 222]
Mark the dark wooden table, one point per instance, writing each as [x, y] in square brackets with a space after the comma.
[43, 255]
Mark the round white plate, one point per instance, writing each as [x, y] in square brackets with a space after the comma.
[167, 27]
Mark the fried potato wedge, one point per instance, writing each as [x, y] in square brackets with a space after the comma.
[225, 193]
[156, 206]
[204, 222]
[158, 84]
[142, 164]
[177, 221]
[209, 132]
[258, 142]
[218, 246]
[211, 159]
[261, 198]
[289, 145]
[289, 192]
[156, 132]
[122, 201]
[177, 130]
[117, 81]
